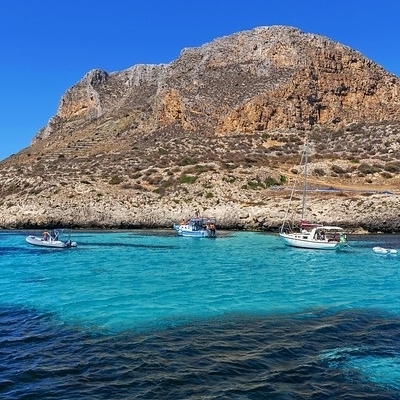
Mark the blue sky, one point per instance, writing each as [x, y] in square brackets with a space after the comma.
[48, 45]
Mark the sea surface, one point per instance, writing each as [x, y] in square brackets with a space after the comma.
[149, 315]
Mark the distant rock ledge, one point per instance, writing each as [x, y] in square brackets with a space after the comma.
[372, 214]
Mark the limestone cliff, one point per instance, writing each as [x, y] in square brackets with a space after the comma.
[219, 128]
[266, 78]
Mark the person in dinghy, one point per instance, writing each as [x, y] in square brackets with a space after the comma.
[50, 240]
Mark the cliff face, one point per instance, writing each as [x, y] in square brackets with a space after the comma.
[145, 145]
[257, 80]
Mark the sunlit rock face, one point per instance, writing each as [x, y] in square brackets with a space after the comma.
[216, 129]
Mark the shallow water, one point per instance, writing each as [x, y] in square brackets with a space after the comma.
[146, 314]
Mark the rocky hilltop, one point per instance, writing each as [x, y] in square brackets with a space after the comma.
[219, 129]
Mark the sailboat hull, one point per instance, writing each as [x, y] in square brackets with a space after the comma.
[298, 240]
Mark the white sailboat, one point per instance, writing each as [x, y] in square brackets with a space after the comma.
[309, 235]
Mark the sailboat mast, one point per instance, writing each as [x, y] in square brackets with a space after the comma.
[303, 209]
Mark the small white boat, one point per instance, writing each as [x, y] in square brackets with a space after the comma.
[382, 250]
[50, 240]
[197, 227]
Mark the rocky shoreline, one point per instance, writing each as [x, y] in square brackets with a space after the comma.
[357, 213]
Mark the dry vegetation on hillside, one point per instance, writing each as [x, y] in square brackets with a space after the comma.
[221, 128]
[357, 156]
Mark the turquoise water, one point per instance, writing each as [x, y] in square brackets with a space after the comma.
[141, 282]
[130, 280]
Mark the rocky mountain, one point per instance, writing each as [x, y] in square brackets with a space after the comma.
[219, 129]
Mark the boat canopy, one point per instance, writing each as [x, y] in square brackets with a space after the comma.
[330, 228]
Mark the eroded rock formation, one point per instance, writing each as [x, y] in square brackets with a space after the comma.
[216, 129]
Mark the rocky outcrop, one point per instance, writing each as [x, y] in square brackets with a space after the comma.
[80, 207]
[220, 129]
[266, 78]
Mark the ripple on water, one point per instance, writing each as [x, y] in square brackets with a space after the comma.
[234, 356]
[153, 316]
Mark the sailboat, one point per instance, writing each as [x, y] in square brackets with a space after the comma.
[309, 235]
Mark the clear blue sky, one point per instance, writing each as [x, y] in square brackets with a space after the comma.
[48, 45]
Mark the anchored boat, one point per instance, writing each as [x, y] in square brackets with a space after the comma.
[197, 227]
[50, 239]
[308, 235]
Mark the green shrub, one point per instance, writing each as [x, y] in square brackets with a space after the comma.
[229, 179]
[254, 185]
[365, 168]
[392, 167]
[354, 160]
[337, 169]
[265, 135]
[271, 181]
[187, 179]
[186, 161]
[199, 169]
[154, 179]
[319, 172]
[386, 175]
[115, 180]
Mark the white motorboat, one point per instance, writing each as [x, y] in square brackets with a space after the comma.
[382, 250]
[50, 240]
[308, 235]
[197, 227]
